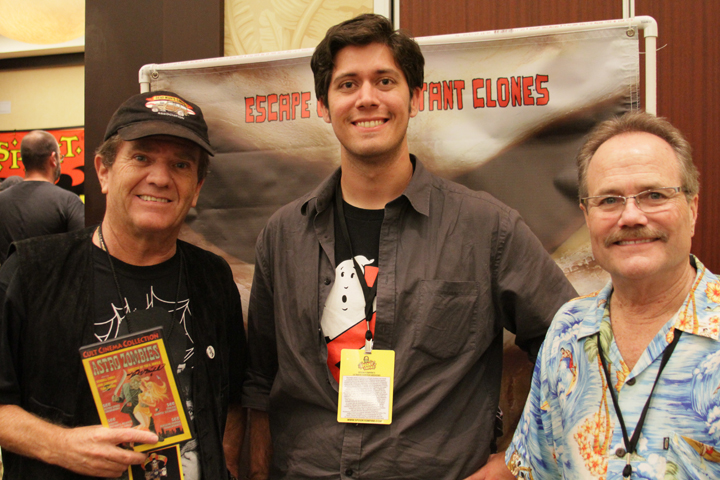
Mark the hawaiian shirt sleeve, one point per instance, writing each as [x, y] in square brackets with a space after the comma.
[532, 453]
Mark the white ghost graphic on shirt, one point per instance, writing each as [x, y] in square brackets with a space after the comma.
[345, 305]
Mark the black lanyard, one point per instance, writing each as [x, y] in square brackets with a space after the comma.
[368, 292]
[631, 444]
[168, 333]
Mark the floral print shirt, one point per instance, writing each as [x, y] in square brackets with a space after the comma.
[569, 428]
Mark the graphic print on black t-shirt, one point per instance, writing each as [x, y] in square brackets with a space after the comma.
[144, 288]
[343, 320]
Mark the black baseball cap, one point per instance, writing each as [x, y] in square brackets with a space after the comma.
[160, 113]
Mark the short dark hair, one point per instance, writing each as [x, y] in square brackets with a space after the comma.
[640, 122]
[35, 149]
[360, 31]
[109, 149]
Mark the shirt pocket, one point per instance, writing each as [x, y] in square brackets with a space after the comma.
[690, 459]
[446, 320]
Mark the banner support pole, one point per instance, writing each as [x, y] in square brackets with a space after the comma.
[650, 31]
[628, 9]
[144, 77]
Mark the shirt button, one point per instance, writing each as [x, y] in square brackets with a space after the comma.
[210, 352]
[327, 281]
[620, 452]
[349, 472]
[631, 381]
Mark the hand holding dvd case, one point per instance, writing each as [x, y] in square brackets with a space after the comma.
[134, 386]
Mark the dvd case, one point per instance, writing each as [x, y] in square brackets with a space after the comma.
[133, 385]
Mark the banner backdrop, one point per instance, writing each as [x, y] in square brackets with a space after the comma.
[502, 115]
[72, 145]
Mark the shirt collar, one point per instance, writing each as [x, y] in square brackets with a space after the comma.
[321, 197]
[592, 318]
[417, 192]
[698, 315]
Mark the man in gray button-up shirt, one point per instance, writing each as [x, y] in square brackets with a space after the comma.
[453, 268]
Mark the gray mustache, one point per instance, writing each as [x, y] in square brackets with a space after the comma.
[640, 232]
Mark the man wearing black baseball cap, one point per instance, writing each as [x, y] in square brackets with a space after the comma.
[130, 273]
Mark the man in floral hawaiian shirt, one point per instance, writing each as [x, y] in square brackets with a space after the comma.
[656, 323]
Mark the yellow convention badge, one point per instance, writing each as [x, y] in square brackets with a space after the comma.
[366, 386]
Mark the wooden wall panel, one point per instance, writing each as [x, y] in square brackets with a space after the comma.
[121, 37]
[437, 17]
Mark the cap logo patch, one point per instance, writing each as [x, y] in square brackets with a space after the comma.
[169, 105]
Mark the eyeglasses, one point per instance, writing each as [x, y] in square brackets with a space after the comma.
[649, 201]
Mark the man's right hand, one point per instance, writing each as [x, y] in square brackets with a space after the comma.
[92, 450]
[95, 450]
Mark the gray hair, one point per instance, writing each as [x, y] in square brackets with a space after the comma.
[644, 123]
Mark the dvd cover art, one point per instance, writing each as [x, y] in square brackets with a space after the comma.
[134, 387]
[161, 464]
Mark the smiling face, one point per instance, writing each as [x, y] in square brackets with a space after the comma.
[151, 186]
[634, 245]
[369, 104]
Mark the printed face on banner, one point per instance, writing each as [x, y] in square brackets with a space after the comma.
[632, 244]
[369, 104]
[152, 184]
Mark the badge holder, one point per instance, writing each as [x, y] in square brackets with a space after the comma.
[366, 386]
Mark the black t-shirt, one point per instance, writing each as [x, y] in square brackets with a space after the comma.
[343, 319]
[364, 229]
[142, 288]
[33, 208]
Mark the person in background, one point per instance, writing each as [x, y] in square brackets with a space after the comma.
[10, 181]
[627, 381]
[385, 253]
[37, 206]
